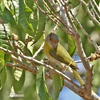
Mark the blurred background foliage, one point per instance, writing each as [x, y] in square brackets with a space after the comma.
[22, 18]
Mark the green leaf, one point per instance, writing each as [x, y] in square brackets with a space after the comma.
[2, 5]
[7, 57]
[71, 45]
[3, 76]
[30, 3]
[8, 17]
[2, 62]
[24, 13]
[49, 26]
[18, 84]
[41, 23]
[74, 3]
[96, 75]
[57, 85]
[41, 85]
[18, 30]
[14, 27]
[30, 87]
[87, 46]
[4, 41]
[8, 84]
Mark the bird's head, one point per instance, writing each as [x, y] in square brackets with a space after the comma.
[52, 39]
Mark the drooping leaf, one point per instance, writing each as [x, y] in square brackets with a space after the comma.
[30, 87]
[2, 5]
[87, 46]
[3, 76]
[3, 40]
[74, 3]
[18, 84]
[7, 57]
[30, 3]
[41, 23]
[96, 75]
[18, 30]
[8, 84]
[14, 27]
[71, 45]
[57, 85]
[41, 85]
[49, 26]
[2, 62]
[8, 17]
[23, 19]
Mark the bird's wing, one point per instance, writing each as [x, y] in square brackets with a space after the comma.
[63, 56]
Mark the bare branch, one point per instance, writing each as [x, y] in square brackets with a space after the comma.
[85, 63]
[95, 12]
[89, 12]
[83, 30]
[62, 16]
[22, 67]
[15, 44]
[6, 34]
[56, 20]
[70, 21]
[43, 64]
[94, 2]
[36, 53]
[93, 56]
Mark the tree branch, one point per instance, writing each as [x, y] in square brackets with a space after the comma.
[85, 63]
[36, 53]
[90, 14]
[83, 30]
[6, 34]
[30, 59]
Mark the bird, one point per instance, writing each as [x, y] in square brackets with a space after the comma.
[59, 56]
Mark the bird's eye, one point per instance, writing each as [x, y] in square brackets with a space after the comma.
[50, 38]
[53, 40]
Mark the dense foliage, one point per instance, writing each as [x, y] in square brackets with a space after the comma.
[28, 26]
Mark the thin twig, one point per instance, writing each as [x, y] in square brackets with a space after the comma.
[37, 52]
[15, 44]
[52, 13]
[84, 31]
[22, 67]
[72, 24]
[6, 34]
[55, 21]
[94, 2]
[89, 12]
[61, 15]
[34, 72]
[43, 64]
[93, 56]
[95, 12]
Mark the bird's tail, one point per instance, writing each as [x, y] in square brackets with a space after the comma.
[78, 77]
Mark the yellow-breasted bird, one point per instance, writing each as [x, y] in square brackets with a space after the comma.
[58, 55]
